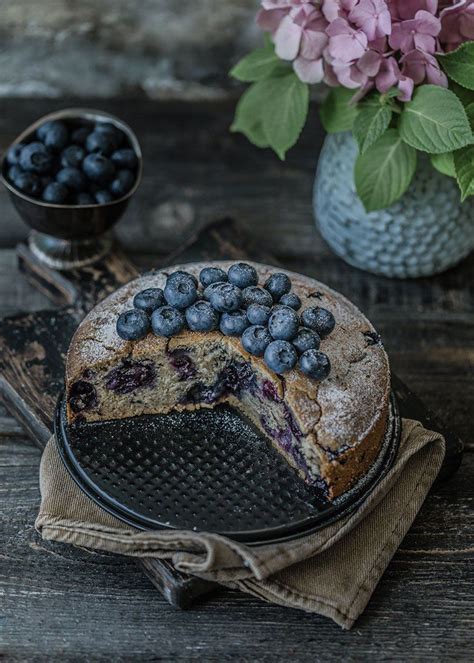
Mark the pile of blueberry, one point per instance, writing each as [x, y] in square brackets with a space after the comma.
[75, 163]
[265, 318]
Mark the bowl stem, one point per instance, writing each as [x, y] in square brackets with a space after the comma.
[67, 254]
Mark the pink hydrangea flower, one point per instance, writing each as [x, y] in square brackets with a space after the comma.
[273, 11]
[389, 75]
[419, 32]
[302, 31]
[301, 38]
[423, 68]
[373, 17]
[457, 24]
[337, 8]
[345, 43]
[404, 10]
[368, 44]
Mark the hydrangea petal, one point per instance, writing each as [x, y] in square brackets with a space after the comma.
[309, 71]
[287, 39]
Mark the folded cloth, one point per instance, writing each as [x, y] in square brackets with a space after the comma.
[332, 572]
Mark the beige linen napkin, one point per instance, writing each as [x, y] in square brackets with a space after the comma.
[332, 572]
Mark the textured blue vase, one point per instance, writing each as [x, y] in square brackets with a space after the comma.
[423, 233]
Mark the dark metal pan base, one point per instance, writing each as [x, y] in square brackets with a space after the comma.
[207, 470]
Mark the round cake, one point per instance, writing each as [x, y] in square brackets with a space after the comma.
[327, 419]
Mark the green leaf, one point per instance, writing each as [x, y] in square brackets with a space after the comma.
[272, 112]
[435, 121]
[370, 123]
[261, 63]
[464, 165]
[247, 118]
[285, 102]
[336, 113]
[383, 173]
[444, 163]
[470, 115]
[459, 64]
[464, 95]
[393, 92]
[464, 162]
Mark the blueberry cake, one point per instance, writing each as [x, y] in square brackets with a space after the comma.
[296, 358]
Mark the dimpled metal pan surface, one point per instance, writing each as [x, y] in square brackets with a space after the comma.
[207, 470]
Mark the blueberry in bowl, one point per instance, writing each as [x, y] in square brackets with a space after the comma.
[70, 176]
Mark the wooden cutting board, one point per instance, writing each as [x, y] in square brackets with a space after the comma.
[33, 347]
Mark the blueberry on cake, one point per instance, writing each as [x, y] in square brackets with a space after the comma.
[296, 358]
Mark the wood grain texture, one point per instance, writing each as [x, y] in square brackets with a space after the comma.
[59, 603]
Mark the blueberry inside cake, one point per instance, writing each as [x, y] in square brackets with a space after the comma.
[296, 358]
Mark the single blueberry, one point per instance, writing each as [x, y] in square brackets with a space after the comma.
[43, 129]
[56, 137]
[225, 297]
[180, 274]
[148, 300]
[133, 325]
[315, 364]
[102, 142]
[82, 396]
[210, 275]
[270, 391]
[123, 182]
[13, 172]
[110, 129]
[211, 287]
[277, 284]
[291, 299]
[79, 135]
[73, 178]
[98, 168]
[102, 197]
[182, 363]
[319, 320]
[280, 356]
[255, 295]
[242, 275]
[28, 183]
[124, 158]
[55, 193]
[13, 154]
[306, 339]
[131, 375]
[167, 321]
[36, 158]
[84, 198]
[255, 340]
[180, 292]
[72, 156]
[283, 323]
[258, 314]
[233, 323]
[202, 317]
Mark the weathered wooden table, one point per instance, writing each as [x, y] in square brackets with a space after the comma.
[62, 603]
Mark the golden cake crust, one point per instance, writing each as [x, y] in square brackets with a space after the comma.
[344, 417]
